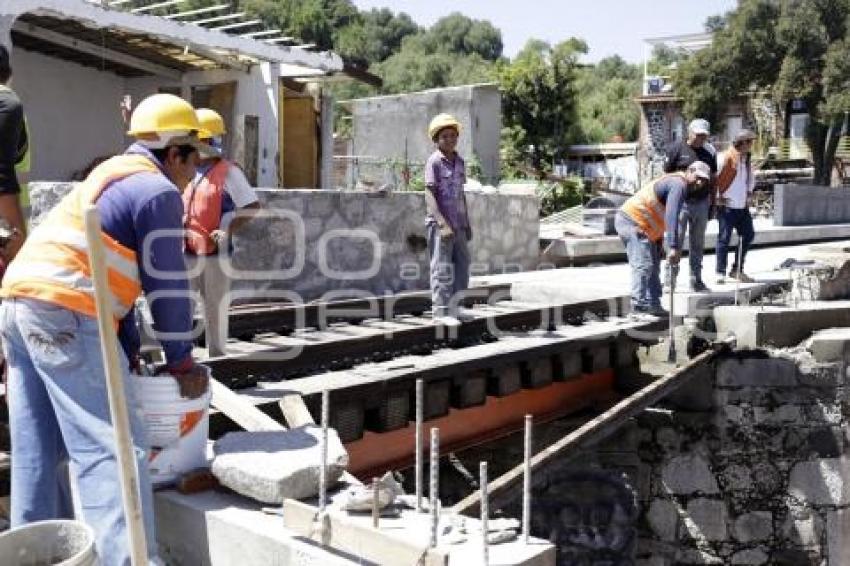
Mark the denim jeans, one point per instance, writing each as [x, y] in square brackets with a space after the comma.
[645, 262]
[450, 261]
[740, 220]
[694, 219]
[58, 406]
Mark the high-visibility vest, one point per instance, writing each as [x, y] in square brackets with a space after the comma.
[647, 210]
[202, 204]
[53, 264]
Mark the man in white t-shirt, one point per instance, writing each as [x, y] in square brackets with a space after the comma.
[735, 184]
[217, 203]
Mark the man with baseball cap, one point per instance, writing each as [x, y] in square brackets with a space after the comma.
[735, 184]
[695, 211]
[13, 148]
[649, 220]
[57, 395]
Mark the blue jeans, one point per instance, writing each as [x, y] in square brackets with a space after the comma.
[740, 220]
[694, 219]
[645, 262]
[450, 261]
[58, 406]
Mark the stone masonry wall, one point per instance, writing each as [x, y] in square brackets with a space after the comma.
[314, 242]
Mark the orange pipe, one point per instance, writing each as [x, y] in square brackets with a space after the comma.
[375, 453]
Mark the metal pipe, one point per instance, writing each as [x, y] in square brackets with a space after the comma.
[485, 512]
[420, 389]
[526, 481]
[323, 470]
[434, 490]
[375, 511]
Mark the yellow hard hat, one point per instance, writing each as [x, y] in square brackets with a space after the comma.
[441, 121]
[212, 124]
[163, 114]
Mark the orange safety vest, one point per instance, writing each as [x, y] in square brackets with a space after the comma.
[729, 171]
[202, 202]
[53, 264]
[647, 211]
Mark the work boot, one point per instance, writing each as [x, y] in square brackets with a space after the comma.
[741, 276]
[720, 279]
[697, 286]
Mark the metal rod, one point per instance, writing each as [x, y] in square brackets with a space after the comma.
[526, 481]
[375, 511]
[323, 470]
[485, 512]
[420, 388]
[434, 490]
[738, 268]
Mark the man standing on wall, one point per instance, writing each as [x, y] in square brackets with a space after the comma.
[694, 218]
[14, 147]
[217, 203]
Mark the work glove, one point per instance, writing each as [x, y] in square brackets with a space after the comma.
[192, 378]
[218, 236]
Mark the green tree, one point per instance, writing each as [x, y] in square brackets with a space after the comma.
[460, 34]
[539, 102]
[792, 49]
[606, 107]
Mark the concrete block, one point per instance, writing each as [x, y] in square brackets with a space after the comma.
[780, 327]
[757, 371]
[796, 205]
[829, 345]
[596, 358]
[269, 466]
[750, 557]
[663, 518]
[706, 519]
[536, 373]
[504, 381]
[821, 482]
[437, 394]
[838, 536]
[392, 413]
[753, 527]
[470, 390]
[688, 474]
[567, 366]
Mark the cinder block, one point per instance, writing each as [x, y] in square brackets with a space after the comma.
[596, 358]
[504, 381]
[391, 414]
[567, 366]
[348, 421]
[470, 390]
[437, 395]
[536, 373]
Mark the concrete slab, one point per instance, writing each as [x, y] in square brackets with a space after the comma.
[585, 250]
[777, 326]
[222, 529]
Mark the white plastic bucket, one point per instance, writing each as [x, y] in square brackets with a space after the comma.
[177, 428]
[49, 543]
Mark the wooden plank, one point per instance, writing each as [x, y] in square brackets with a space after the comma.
[600, 427]
[345, 534]
[239, 410]
[295, 411]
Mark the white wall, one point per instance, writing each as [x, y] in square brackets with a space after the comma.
[73, 113]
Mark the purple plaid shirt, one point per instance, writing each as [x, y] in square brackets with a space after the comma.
[445, 178]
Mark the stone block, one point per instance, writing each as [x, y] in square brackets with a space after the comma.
[750, 557]
[707, 519]
[805, 531]
[826, 375]
[821, 482]
[757, 372]
[270, 466]
[504, 381]
[596, 358]
[782, 414]
[470, 390]
[689, 474]
[693, 557]
[753, 527]
[829, 345]
[838, 536]
[663, 518]
[567, 366]
[736, 477]
[536, 373]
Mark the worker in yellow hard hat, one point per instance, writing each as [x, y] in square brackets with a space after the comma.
[57, 391]
[218, 202]
[449, 229]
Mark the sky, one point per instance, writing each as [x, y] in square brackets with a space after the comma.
[608, 26]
